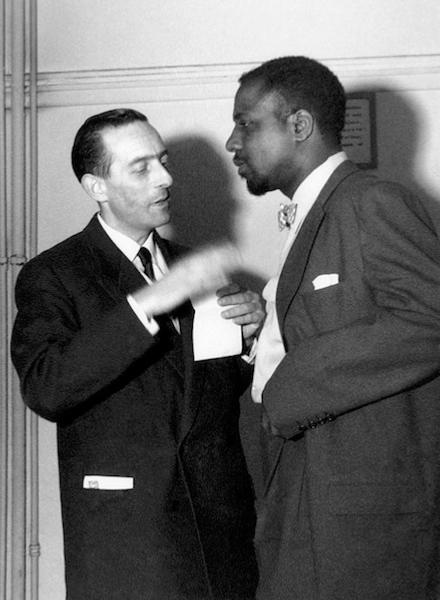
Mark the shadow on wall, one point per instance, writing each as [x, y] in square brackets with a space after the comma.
[398, 129]
[203, 212]
[203, 206]
[203, 209]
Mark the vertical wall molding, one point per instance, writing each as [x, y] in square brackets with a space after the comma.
[16, 242]
[19, 547]
[3, 319]
[32, 220]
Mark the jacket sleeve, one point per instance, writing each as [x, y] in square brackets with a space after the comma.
[64, 362]
[373, 338]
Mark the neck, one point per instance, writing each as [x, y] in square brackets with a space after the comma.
[310, 163]
[138, 236]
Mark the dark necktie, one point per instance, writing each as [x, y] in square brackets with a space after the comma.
[165, 321]
[145, 258]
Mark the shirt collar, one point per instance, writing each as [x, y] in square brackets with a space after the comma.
[309, 189]
[125, 243]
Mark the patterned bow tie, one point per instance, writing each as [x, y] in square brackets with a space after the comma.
[286, 215]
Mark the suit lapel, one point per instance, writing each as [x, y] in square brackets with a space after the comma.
[296, 261]
[110, 266]
[194, 373]
[119, 277]
[295, 264]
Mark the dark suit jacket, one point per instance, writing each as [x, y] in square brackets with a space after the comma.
[352, 505]
[130, 404]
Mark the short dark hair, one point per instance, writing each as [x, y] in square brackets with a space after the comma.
[302, 82]
[89, 154]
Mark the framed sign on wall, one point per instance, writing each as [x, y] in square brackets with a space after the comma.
[359, 133]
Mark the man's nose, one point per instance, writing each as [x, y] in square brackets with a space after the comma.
[232, 143]
[164, 176]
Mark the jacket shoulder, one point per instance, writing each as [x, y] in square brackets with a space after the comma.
[61, 256]
[363, 189]
[369, 198]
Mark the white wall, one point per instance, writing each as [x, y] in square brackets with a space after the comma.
[134, 33]
[178, 62]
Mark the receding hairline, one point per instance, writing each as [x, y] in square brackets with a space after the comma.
[107, 151]
[89, 152]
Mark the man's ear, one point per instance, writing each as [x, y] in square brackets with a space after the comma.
[302, 124]
[94, 187]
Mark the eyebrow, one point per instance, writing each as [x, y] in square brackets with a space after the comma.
[147, 157]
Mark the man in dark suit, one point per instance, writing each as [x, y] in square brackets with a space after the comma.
[156, 498]
[348, 359]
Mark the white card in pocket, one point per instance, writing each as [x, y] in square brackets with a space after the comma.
[107, 482]
[325, 280]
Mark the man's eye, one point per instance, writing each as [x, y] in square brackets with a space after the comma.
[243, 124]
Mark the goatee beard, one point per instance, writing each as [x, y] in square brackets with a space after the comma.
[257, 187]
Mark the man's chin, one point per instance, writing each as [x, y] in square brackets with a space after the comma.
[257, 188]
[163, 219]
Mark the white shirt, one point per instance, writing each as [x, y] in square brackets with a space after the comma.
[270, 348]
[131, 248]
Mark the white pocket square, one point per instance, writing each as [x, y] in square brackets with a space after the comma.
[325, 280]
[106, 482]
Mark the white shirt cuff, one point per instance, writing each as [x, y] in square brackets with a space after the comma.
[150, 324]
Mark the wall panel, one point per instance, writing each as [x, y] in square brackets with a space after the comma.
[129, 33]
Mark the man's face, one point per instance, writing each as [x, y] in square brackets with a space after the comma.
[137, 186]
[261, 142]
